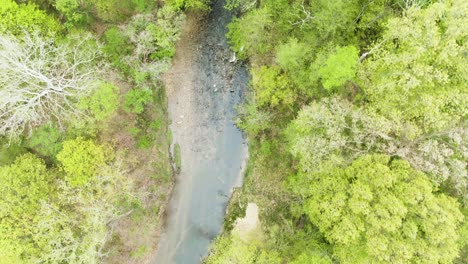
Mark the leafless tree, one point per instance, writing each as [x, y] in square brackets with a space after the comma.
[41, 80]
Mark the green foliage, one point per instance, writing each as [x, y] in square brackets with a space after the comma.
[334, 131]
[201, 5]
[15, 19]
[231, 249]
[417, 73]
[243, 5]
[136, 99]
[293, 55]
[75, 224]
[81, 159]
[249, 36]
[340, 67]
[24, 185]
[46, 140]
[9, 152]
[312, 257]
[162, 35]
[253, 120]
[103, 102]
[177, 157]
[113, 10]
[381, 210]
[144, 142]
[405, 97]
[335, 17]
[71, 10]
[143, 5]
[139, 252]
[117, 46]
[272, 88]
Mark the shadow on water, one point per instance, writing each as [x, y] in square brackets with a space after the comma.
[204, 87]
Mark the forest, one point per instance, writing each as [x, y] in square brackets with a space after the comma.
[85, 170]
[356, 120]
[356, 117]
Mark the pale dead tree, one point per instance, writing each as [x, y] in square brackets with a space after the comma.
[42, 81]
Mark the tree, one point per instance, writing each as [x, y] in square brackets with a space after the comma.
[418, 71]
[340, 67]
[76, 223]
[45, 140]
[190, 4]
[250, 36]
[41, 81]
[381, 210]
[136, 100]
[116, 46]
[81, 160]
[334, 131]
[24, 185]
[272, 88]
[103, 102]
[70, 9]
[232, 249]
[44, 219]
[312, 257]
[16, 19]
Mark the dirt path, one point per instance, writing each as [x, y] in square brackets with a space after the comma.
[203, 88]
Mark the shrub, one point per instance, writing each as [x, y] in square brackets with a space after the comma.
[136, 100]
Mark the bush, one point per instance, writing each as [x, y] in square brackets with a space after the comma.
[136, 100]
[103, 102]
[116, 46]
[45, 140]
[80, 160]
[114, 10]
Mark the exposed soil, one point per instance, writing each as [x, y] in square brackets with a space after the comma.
[203, 88]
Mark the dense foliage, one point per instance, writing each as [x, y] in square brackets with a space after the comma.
[357, 126]
[84, 158]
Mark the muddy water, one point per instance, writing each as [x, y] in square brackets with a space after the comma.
[203, 88]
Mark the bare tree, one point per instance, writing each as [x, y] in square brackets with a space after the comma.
[41, 80]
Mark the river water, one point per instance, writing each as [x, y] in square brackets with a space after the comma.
[203, 86]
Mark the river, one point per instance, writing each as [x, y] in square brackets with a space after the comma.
[203, 86]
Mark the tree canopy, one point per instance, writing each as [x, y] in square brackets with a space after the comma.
[381, 210]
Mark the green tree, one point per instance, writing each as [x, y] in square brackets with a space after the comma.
[81, 159]
[312, 257]
[16, 19]
[333, 130]
[250, 36]
[381, 210]
[103, 102]
[72, 11]
[231, 249]
[272, 88]
[203, 5]
[116, 46]
[136, 100]
[418, 71]
[24, 185]
[340, 67]
[45, 140]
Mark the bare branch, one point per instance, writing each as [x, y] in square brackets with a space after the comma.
[42, 81]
